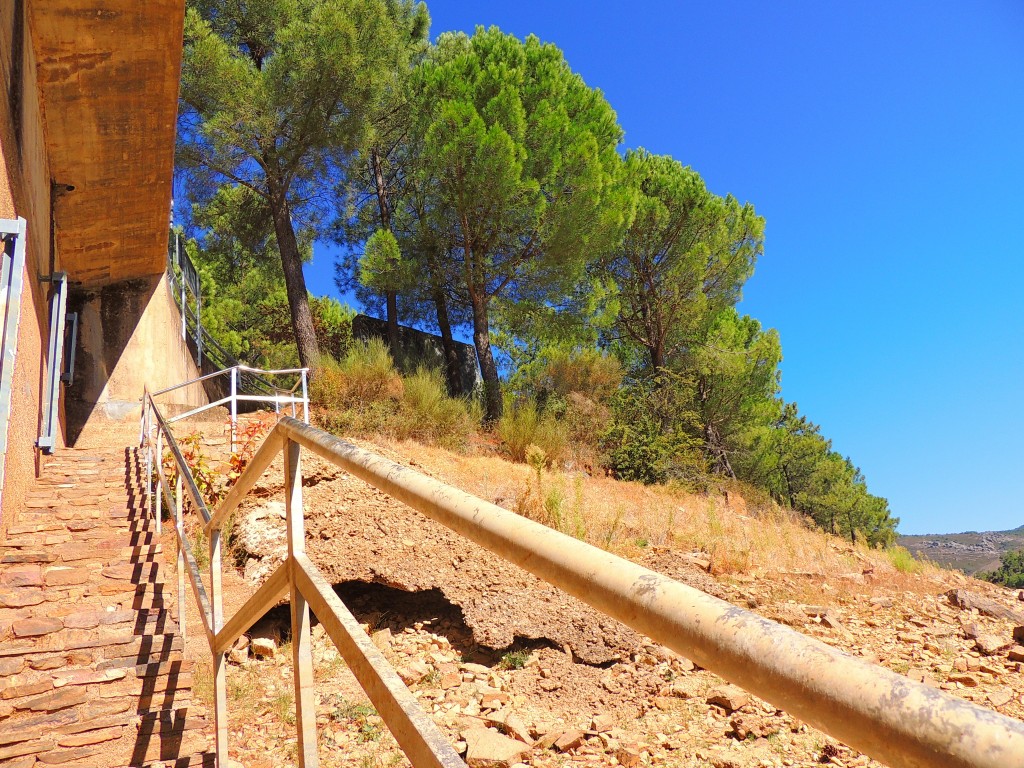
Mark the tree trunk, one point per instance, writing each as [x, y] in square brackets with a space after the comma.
[488, 369]
[385, 223]
[451, 356]
[657, 352]
[713, 442]
[789, 486]
[294, 280]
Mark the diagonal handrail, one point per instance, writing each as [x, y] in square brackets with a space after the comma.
[885, 715]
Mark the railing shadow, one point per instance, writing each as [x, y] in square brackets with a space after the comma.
[163, 713]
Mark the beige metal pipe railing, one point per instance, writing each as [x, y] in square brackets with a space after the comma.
[304, 585]
[883, 714]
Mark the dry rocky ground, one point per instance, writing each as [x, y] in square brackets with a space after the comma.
[518, 674]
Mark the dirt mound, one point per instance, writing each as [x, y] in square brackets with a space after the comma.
[355, 533]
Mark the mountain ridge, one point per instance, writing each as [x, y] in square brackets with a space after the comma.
[969, 551]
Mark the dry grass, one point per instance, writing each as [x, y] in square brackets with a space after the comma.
[628, 518]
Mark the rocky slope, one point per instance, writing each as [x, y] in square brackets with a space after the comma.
[520, 675]
[970, 552]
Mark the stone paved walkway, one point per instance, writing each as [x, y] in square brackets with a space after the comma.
[91, 671]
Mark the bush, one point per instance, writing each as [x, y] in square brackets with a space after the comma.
[902, 560]
[651, 437]
[428, 414]
[523, 425]
[586, 372]
[332, 322]
[365, 375]
[1010, 572]
[364, 394]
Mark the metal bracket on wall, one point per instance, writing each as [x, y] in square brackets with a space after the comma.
[12, 268]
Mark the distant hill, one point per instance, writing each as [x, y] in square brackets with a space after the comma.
[969, 552]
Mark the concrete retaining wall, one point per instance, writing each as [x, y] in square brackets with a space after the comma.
[129, 337]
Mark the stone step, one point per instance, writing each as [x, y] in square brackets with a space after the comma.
[200, 760]
[80, 736]
[50, 531]
[112, 643]
[91, 667]
[32, 667]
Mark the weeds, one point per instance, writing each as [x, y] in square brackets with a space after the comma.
[365, 394]
[347, 711]
[900, 666]
[365, 375]
[362, 716]
[613, 529]
[202, 682]
[514, 659]
[902, 560]
[283, 705]
[523, 425]
[428, 414]
[200, 547]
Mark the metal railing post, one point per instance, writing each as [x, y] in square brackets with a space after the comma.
[184, 320]
[305, 396]
[199, 331]
[302, 651]
[220, 661]
[180, 526]
[159, 458]
[148, 441]
[234, 405]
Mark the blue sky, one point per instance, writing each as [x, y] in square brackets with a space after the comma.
[882, 143]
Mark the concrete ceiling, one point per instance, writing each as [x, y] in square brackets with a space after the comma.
[108, 75]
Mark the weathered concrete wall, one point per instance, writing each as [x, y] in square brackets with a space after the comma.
[108, 77]
[24, 191]
[129, 337]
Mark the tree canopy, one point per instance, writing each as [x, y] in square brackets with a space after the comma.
[521, 157]
[274, 94]
[477, 185]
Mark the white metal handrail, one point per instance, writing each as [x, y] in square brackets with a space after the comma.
[12, 268]
[885, 715]
[281, 396]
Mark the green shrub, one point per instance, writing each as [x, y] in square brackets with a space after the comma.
[523, 425]
[332, 322]
[635, 452]
[651, 436]
[365, 375]
[428, 414]
[1010, 572]
[514, 659]
[902, 560]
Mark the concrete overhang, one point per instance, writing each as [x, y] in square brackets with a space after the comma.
[108, 74]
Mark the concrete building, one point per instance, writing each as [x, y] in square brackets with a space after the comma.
[87, 128]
